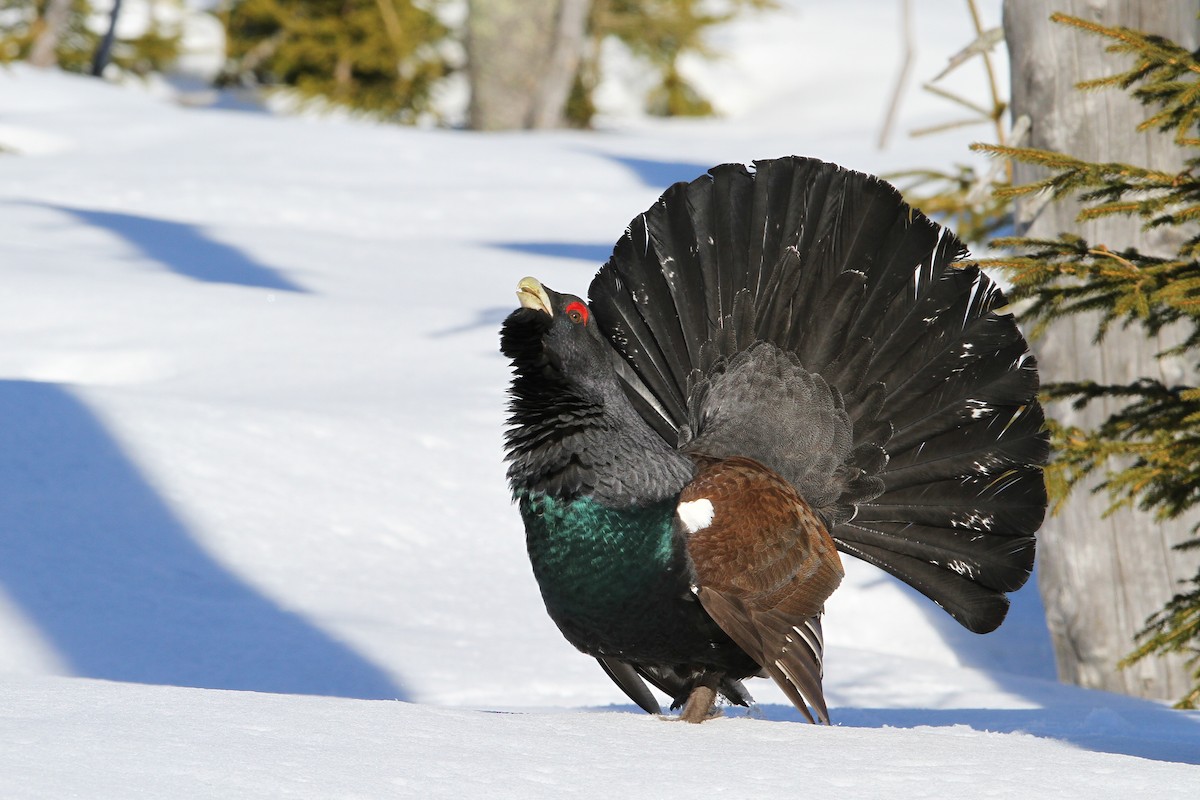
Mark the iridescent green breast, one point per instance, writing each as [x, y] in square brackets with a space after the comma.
[612, 578]
[615, 580]
[589, 558]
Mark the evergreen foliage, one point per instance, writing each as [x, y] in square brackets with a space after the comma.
[21, 21]
[375, 56]
[1176, 629]
[383, 56]
[961, 199]
[659, 33]
[1148, 451]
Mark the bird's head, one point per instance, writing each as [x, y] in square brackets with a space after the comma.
[553, 335]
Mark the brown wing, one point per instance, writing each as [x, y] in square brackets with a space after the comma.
[764, 567]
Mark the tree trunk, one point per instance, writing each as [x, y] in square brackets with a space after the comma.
[104, 51]
[522, 59]
[1100, 578]
[44, 52]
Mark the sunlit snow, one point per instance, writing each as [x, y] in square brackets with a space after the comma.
[255, 535]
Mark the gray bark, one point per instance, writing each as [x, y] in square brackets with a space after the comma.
[104, 50]
[44, 51]
[522, 57]
[1100, 578]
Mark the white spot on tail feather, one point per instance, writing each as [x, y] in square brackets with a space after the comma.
[696, 515]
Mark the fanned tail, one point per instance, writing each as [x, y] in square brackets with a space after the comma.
[901, 400]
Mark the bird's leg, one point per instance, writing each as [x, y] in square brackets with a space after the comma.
[699, 706]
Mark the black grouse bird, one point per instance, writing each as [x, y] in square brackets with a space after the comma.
[775, 364]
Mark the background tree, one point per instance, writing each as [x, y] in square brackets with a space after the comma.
[56, 33]
[1105, 568]
[964, 197]
[104, 50]
[522, 59]
[379, 57]
[660, 33]
[43, 51]
[537, 64]
[47, 34]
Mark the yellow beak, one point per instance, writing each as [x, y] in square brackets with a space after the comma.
[531, 294]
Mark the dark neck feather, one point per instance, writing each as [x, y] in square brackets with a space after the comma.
[569, 440]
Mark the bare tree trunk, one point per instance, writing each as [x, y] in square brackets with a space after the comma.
[44, 52]
[555, 87]
[104, 51]
[1100, 578]
[522, 59]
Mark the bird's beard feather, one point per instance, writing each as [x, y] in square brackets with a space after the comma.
[570, 438]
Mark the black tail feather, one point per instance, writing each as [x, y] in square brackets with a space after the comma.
[626, 677]
[978, 608]
[731, 188]
[832, 266]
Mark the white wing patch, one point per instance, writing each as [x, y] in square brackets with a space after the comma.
[696, 515]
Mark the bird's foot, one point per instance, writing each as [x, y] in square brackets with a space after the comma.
[700, 702]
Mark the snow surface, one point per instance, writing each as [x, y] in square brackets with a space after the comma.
[255, 538]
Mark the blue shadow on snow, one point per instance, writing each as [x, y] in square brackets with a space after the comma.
[186, 250]
[1090, 720]
[655, 174]
[1154, 733]
[595, 253]
[111, 577]
[660, 174]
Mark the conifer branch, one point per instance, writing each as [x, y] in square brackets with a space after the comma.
[1175, 629]
[1147, 450]
[1169, 76]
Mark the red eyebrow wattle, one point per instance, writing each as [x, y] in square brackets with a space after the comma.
[580, 307]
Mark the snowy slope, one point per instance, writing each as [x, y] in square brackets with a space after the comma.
[251, 413]
[179, 743]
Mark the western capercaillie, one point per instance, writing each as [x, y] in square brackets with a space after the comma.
[775, 364]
